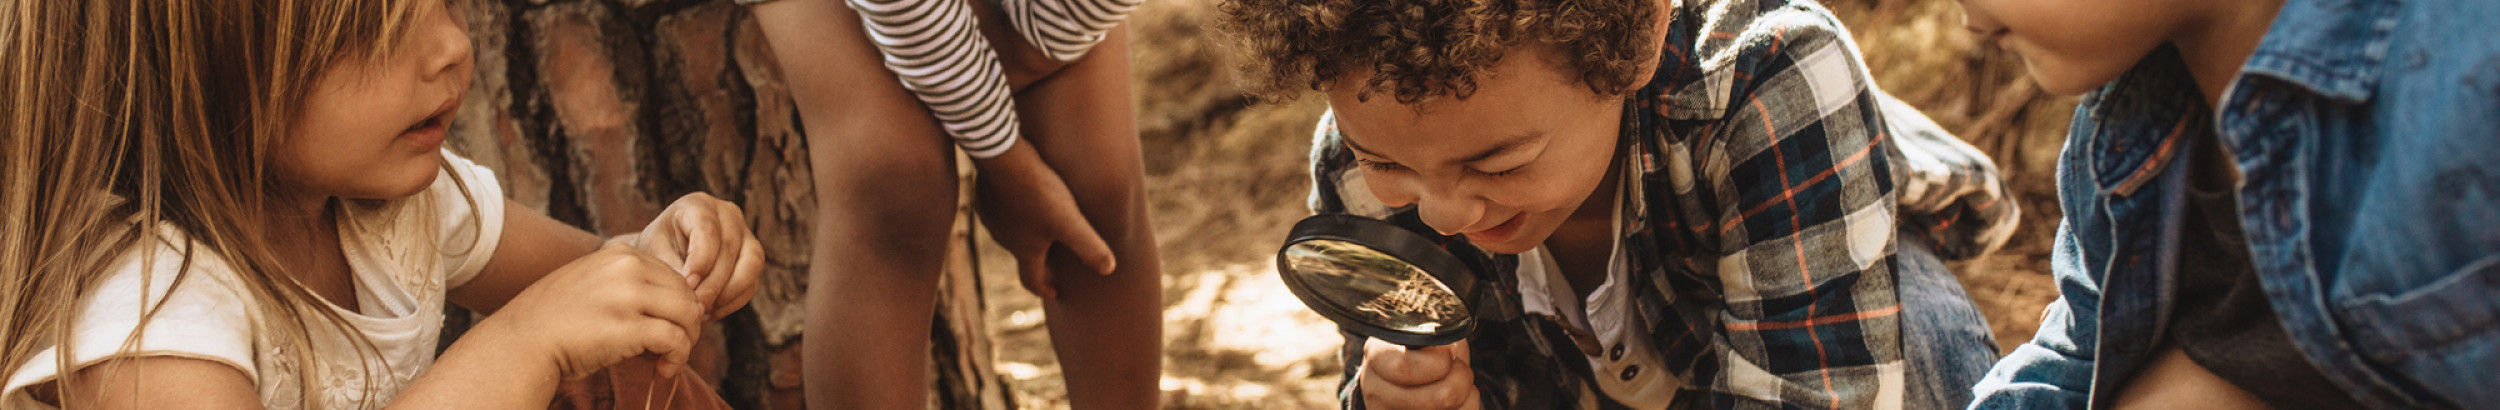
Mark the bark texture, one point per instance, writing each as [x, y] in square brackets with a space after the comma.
[601, 112]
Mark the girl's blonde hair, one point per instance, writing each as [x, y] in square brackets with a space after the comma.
[127, 116]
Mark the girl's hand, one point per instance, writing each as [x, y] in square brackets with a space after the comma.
[1028, 209]
[615, 304]
[707, 240]
[1398, 378]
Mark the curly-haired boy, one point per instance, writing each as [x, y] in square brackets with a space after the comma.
[1697, 205]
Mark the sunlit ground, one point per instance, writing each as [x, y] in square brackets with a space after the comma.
[1233, 338]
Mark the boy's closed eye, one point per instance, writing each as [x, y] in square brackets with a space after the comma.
[1384, 166]
[1378, 166]
[1501, 173]
[1505, 158]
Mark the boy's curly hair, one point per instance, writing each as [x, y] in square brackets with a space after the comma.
[1420, 50]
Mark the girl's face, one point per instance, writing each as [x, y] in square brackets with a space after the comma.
[373, 128]
[1505, 167]
[2074, 46]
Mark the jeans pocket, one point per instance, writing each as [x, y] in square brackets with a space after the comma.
[2444, 335]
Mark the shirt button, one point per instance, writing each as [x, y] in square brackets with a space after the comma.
[1616, 353]
[1630, 371]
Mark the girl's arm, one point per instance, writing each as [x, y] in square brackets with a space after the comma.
[547, 282]
[613, 304]
[532, 246]
[702, 237]
[608, 306]
[950, 67]
[169, 382]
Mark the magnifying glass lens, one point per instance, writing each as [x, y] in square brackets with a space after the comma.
[1373, 286]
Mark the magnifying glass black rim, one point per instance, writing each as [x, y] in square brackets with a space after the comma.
[1397, 242]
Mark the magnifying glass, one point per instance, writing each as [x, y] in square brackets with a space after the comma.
[1385, 280]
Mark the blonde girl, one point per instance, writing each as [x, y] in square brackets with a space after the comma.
[246, 204]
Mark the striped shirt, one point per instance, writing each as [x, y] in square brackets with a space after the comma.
[936, 47]
[1766, 181]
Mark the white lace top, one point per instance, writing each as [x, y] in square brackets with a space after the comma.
[404, 254]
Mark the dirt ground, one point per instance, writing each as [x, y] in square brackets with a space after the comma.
[1226, 177]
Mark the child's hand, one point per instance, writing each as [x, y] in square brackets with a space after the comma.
[615, 304]
[707, 240]
[1438, 377]
[1028, 209]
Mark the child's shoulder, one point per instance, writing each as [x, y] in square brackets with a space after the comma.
[1732, 29]
[191, 297]
[169, 275]
[1738, 50]
[191, 302]
[170, 259]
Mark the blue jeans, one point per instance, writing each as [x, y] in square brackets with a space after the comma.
[1945, 343]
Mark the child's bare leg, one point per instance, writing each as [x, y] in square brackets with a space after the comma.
[885, 189]
[1108, 330]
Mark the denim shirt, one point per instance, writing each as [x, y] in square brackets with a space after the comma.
[2367, 137]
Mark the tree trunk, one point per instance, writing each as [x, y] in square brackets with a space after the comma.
[601, 112]
[966, 374]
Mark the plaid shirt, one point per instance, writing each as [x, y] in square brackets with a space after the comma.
[1760, 231]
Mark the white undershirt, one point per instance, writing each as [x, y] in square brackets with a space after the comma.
[1611, 315]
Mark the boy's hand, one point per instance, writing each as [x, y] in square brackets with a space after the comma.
[1438, 377]
[615, 304]
[707, 240]
[1028, 209]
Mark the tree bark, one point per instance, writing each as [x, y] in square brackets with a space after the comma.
[600, 112]
[965, 374]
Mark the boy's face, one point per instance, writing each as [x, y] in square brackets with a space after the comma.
[1505, 166]
[2074, 46]
[374, 129]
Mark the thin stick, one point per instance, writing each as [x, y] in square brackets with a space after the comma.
[674, 384]
[646, 390]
